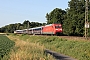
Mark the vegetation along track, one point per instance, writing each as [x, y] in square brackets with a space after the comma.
[78, 49]
[74, 38]
[26, 50]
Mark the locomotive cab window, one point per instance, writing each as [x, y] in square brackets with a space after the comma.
[57, 26]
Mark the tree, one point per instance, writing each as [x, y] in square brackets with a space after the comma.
[55, 16]
[74, 24]
[18, 26]
[26, 24]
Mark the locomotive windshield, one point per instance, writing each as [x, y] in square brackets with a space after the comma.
[57, 26]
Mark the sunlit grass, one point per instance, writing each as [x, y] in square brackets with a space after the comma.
[78, 49]
[25, 50]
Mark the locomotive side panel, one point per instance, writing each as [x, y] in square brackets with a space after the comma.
[48, 29]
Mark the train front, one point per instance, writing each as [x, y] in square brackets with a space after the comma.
[58, 29]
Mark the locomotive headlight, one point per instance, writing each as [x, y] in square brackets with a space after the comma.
[56, 29]
[61, 29]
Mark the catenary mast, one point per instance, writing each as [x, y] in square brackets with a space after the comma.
[86, 18]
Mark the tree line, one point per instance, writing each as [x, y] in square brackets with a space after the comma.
[72, 19]
[18, 26]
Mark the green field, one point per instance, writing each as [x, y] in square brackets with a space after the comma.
[28, 47]
[5, 46]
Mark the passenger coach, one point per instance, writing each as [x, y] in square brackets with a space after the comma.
[47, 29]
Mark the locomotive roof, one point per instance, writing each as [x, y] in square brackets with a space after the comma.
[51, 25]
[48, 25]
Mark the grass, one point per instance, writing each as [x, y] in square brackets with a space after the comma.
[26, 50]
[77, 49]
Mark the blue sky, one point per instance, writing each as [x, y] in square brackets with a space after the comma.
[17, 11]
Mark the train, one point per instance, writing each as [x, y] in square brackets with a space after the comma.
[51, 29]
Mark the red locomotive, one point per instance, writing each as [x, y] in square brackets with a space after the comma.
[52, 29]
[47, 29]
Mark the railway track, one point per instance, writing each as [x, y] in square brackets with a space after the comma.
[74, 38]
[66, 37]
[70, 37]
